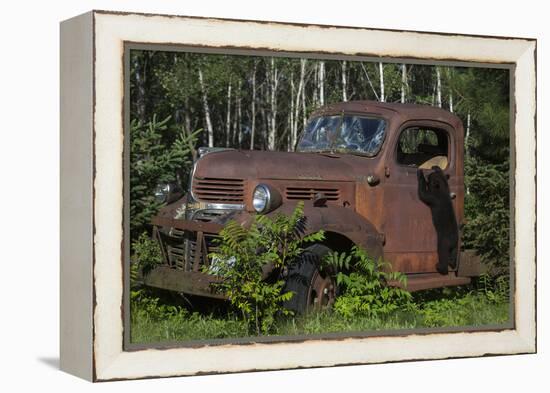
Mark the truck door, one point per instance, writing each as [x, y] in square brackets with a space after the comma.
[411, 240]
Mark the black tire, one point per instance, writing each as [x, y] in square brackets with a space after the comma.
[313, 289]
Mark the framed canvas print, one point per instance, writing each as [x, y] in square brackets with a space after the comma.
[245, 195]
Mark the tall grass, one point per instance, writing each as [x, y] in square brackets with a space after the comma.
[152, 322]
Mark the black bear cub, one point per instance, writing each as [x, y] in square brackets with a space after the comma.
[435, 193]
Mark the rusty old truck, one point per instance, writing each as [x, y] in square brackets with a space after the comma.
[354, 168]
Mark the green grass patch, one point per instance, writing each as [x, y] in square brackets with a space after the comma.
[155, 321]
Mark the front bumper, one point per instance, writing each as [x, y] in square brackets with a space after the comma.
[185, 247]
[186, 225]
[189, 282]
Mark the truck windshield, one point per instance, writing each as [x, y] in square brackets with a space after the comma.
[346, 133]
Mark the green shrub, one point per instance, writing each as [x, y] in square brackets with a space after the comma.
[243, 252]
[147, 254]
[487, 211]
[157, 152]
[363, 285]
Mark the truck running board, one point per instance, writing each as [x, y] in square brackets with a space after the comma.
[419, 282]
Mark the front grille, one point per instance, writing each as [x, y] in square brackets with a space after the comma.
[307, 193]
[192, 250]
[175, 248]
[216, 190]
[181, 248]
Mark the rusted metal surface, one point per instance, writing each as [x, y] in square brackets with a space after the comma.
[323, 292]
[368, 201]
[420, 282]
[187, 225]
[194, 283]
[470, 265]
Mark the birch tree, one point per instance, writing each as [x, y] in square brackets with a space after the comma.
[438, 85]
[238, 118]
[404, 85]
[292, 112]
[295, 105]
[206, 109]
[228, 116]
[451, 98]
[253, 115]
[273, 78]
[140, 77]
[381, 73]
[303, 95]
[344, 82]
[321, 83]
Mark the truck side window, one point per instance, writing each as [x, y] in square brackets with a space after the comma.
[423, 148]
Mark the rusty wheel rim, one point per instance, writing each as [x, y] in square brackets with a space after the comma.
[321, 293]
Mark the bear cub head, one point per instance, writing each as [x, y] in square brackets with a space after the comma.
[437, 181]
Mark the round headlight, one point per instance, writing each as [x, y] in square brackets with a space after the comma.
[162, 191]
[266, 198]
[260, 199]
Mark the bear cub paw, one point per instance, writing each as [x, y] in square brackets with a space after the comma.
[441, 269]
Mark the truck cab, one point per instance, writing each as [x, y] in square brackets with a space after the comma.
[355, 170]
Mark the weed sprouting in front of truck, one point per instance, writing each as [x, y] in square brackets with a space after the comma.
[255, 292]
[363, 285]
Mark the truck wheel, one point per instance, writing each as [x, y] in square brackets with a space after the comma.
[313, 289]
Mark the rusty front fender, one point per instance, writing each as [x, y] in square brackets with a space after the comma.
[342, 225]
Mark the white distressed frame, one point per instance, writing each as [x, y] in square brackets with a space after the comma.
[92, 91]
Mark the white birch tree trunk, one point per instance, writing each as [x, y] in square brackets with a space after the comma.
[315, 97]
[468, 122]
[382, 89]
[296, 105]
[344, 82]
[228, 117]
[274, 81]
[304, 110]
[253, 125]
[404, 84]
[234, 135]
[238, 129]
[206, 109]
[451, 98]
[438, 85]
[291, 117]
[321, 83]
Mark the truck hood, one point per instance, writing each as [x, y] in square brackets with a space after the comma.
[250, 164]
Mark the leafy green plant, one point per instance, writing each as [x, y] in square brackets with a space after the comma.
[147, 255]
[495, 289]
[244, 252]
[363, 283]
[145, 305]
